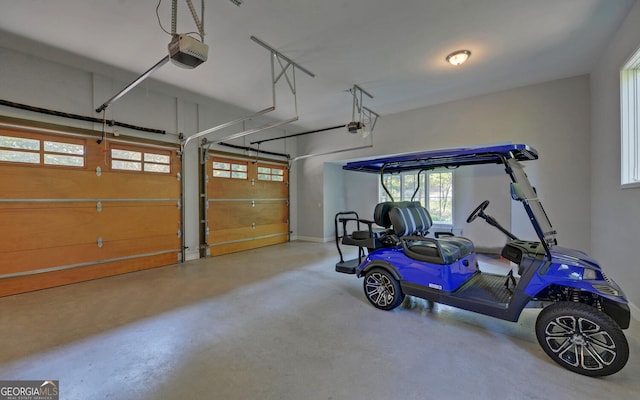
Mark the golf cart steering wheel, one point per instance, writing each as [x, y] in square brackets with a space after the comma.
[483, 206]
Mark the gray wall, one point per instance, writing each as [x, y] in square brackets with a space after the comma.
[553, 117]
[615, 212]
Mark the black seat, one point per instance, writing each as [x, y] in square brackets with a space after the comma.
[372, 237]
[411, 222]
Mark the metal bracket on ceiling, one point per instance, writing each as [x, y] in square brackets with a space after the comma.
[366, 118]
[284, 62]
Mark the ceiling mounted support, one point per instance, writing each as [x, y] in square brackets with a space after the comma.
[363, 119]
[284, 62]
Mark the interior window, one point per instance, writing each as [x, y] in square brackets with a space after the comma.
[435, 192]
[630, 121]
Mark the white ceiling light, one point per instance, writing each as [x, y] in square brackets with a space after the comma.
[458, 57]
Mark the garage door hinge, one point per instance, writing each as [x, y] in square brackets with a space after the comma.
[179, 233]
[253, 203]
[179, 204]
[178, 176]
[98, 171]
[207, 230]
[100, 242]
[206, 178]
[99, 206]
[253, 225]
[253, 182]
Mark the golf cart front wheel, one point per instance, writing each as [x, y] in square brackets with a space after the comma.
[582, 339]
[382, 289]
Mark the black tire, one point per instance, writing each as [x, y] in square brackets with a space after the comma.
[382, 289]
[582, 339]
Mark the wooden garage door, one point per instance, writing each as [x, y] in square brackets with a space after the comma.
[73, 210]
[247, 204]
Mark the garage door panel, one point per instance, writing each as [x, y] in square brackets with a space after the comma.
[247, 245]
[37, 259]
[138, 186]
[63, 183]
[51, 279]
[271, 190]
[224, 216]
[266, 213]
[45, 228]
[221, 188]
[247, 204]
[96, 212]
[50, 227]
[137, 222]
[246, 233]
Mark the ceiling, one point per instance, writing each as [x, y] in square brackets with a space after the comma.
[395, 50]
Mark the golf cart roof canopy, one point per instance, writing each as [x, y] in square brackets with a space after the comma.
[444, 158]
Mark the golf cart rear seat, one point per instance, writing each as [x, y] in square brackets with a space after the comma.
[372, 238]
[411, 223]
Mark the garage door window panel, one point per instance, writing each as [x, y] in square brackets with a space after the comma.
[140, 161]
[37, 152]
[229, 170]
[62, 153]
[270, 174]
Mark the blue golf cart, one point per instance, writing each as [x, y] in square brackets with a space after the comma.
[583, 311]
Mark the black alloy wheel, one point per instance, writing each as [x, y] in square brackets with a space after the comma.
[382, 289]
[582, 339]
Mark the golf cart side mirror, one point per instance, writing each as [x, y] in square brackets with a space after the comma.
[516, 192]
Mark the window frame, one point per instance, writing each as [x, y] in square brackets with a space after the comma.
[630, 122]
[142, 161]
[423, 194]
[233, 169]
[42, 152]
[279, 175]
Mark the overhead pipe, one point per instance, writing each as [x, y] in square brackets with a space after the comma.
[300, 134]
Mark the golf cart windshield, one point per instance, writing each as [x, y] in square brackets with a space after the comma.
[523, 191]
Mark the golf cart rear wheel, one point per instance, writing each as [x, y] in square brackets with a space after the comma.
[582, 339]
[382, 289]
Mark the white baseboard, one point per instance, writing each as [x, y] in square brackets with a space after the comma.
[313, 239]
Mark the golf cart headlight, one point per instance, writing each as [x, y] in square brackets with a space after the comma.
[589, 274]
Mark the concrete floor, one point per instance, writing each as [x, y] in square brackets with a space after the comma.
[276, 323]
